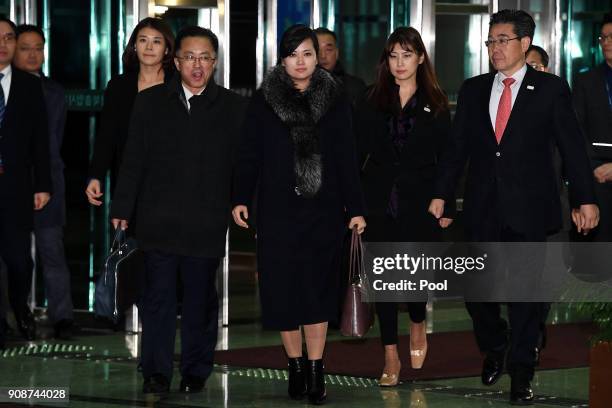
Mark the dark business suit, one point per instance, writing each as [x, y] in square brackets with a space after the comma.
[50, 221]
[511, 189]
[24, 145]
[175, 182]
[594, 111]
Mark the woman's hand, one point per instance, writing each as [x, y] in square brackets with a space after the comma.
[240, 214]
[359, 223]
[93, 192]
[119, 223]
[445, 222]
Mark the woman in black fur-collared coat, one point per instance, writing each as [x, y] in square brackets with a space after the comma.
[298, 151]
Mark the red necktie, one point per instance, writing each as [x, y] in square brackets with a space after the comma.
[503, 109]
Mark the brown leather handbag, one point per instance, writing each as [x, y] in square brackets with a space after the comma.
[357, 315]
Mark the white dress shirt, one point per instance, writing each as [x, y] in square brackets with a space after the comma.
[188, 95]
[6, 82]
[498, 88]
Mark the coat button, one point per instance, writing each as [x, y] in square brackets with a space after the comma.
[497, 154]
[297, 191]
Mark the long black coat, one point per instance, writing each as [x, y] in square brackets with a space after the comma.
[24, 144]
[175, 177]
[297, 237]
[54, 213]
[515, 183]
[412, 170]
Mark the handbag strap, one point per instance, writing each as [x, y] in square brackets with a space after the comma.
[118, 239]
[355, 256]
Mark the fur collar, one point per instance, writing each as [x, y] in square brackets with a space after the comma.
[300, 112]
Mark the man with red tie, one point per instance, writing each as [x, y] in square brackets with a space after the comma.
[506, 123]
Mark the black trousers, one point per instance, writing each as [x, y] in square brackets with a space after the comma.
[387, 318]
[522, 331]
[15, 250]
[199, 318]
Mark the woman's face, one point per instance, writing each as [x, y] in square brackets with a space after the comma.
[403, 64]
[150, 46]
[301, 64]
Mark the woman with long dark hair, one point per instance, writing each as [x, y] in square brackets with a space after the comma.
[402, 126]
[148, 60]
[299, 151]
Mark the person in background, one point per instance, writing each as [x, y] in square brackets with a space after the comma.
[402, 127]
[593, 103]
[25, 174]
[175, 182]
[298, 149]
[147, 61]
[49, 222]
[505, 125]
[328, 58]
[537, 58]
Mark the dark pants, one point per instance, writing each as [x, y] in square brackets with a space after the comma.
[15, 250]
[525, 321]
[50, 252]
[199, 319]
[387, 318]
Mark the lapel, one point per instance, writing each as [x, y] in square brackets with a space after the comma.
[485, 97]
[13, 97]
[528, 88]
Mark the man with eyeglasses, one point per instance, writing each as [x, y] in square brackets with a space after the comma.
[505, 124]
[25, 175]
[593, 103]
[537, 58]
[175, 181]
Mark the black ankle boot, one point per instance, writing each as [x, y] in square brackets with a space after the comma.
[297, 378]
[316, 382]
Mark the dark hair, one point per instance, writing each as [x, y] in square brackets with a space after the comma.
[607, 19]
[9, 22]
[293, 37]
[326, 31]
[384, 92]
[541, 51]
[130, 58]
[523, 23]
[28, 28]
[196, 31]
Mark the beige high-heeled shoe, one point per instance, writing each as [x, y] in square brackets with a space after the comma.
[417, 356]
[390, 379]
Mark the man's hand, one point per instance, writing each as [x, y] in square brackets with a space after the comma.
[93, 192]
[40, 200]
[585, 218]
[445, 222]
[436, 208]
[241, 214]
[117, 222]
[603, 173]
[359, 223]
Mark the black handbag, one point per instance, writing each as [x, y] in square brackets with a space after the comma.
[118, 286]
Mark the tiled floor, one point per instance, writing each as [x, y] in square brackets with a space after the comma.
[100, 369]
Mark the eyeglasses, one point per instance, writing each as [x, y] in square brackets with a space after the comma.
[502, 42]
[8, 37]
[537, 67]
[204, 59]
[604, 38]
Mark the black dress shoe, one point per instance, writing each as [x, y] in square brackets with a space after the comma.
[156, 384]
[64, 329]
[520, 391]
[315, 382]
[26, 324]
[297, 378]
[191, 384]
[493, 367]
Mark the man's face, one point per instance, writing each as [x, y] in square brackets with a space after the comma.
[30, 53]
[606, 42]
[328, 51]
[7, 43]
[535, 60]
[509, 57]
[196, 61]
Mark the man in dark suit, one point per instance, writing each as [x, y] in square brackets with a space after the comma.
[593, 103]
[25, 176]
[49, 222]
[329, 54]
[505, 125]
[175, 181]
